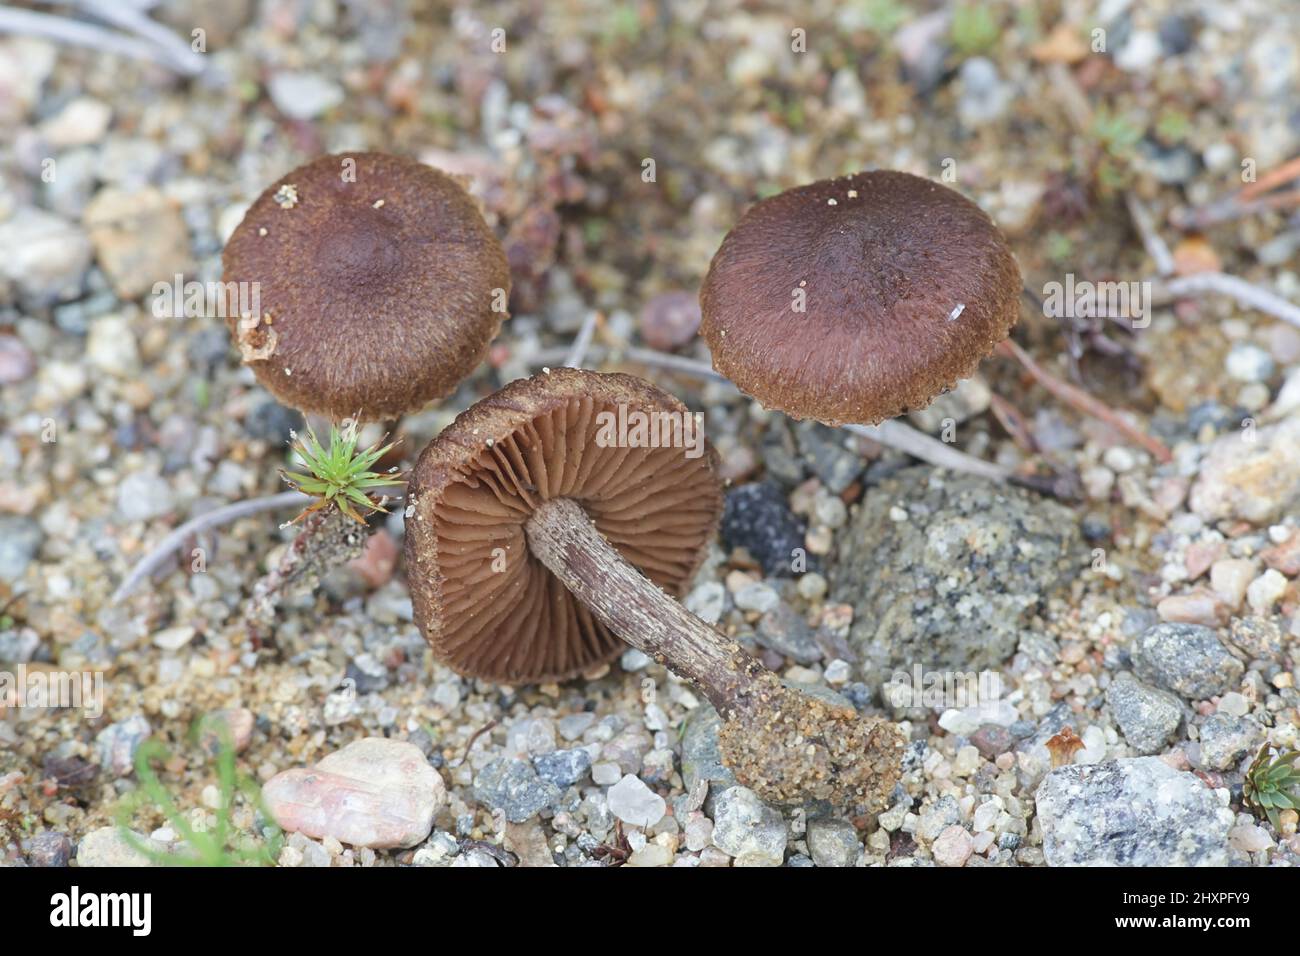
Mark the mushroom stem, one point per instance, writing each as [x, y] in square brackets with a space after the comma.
[785, 744]
[567, 541]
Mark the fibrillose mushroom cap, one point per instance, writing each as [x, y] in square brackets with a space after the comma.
[486, 605]
[376, 279]
[906, 285]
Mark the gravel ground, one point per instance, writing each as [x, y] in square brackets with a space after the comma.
[1155, 615]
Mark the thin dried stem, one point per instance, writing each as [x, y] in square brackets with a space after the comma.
[1155, 245]
[578, 353]
[1220, 283]
[1231, 208]
[164, 549]
[1077, 398]
[143, 43]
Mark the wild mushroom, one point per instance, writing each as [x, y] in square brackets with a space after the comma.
[549, 518]
[858, 299]
[379, 286]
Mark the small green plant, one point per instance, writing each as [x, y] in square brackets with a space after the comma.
[882, 16]
[1173, 126]
[1118, 138]
[1059, 247]
[974, 31]
[1271, 782]
[339, 474]
[218, 846]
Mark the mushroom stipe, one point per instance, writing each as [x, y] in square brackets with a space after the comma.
[783, 743]
[588, 536]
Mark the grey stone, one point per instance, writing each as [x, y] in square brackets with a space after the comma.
[701, 755]
[1226, 740]
[117, 744]
[1134, 812]
[836, 465]
[784, 630]
[984, 96]
[514, 787]
[628, 749]
[971, 397]
[945, 570]
[563, 768]
[1185, 658]
[707, 601]
[18, 646]
[1147, 715]
[833, 842]
[937, 817]
[748, 830]
[142, 496]
[44, 256]
[20, 540]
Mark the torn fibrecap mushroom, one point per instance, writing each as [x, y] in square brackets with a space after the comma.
[858, 299]
[487, 606]
[526, 541]
[379, 286]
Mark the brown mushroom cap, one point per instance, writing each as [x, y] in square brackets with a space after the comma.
[486, 605]
[376, 285]
[907, 286]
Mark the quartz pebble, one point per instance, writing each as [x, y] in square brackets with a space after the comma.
[953, 847]
[636, 804]
[375, 792]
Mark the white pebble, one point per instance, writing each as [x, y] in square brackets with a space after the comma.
[1265, 591]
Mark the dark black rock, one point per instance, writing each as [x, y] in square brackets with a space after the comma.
[208, 348]
[1176, 34]
[270, 421]
[757, 518]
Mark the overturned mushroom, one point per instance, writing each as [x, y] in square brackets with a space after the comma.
[858, 299]
[551, 516]
[378, 286]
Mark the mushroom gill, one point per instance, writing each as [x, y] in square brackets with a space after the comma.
[488, 607]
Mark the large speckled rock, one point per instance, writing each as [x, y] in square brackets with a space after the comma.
[374, 792]
[946, 570]
[1136, 812]
[1227, 740]
[1148, 716]
[1187, 659]
[747, 829]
